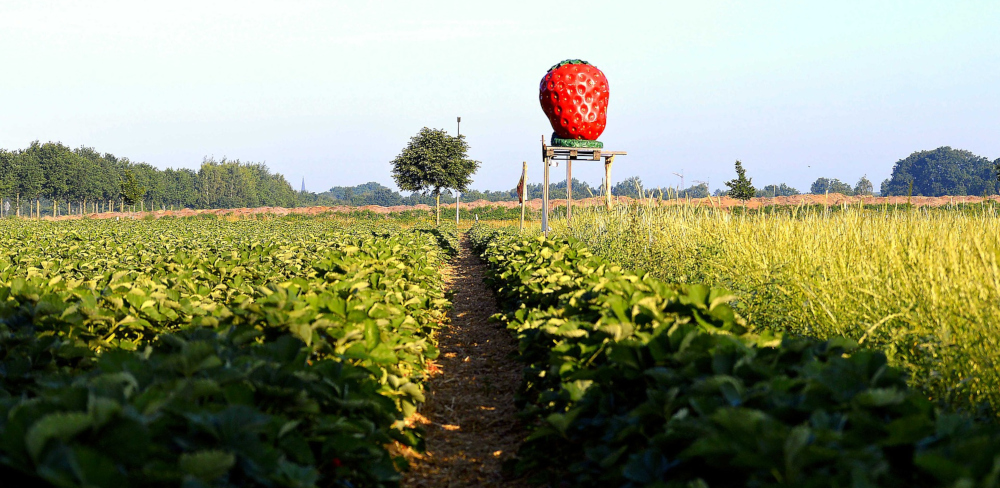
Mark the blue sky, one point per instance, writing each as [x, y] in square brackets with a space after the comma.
[332, 91]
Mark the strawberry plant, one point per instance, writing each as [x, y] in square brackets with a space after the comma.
[210, 353]
[630, 381]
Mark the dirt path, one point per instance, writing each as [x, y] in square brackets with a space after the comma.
[469, 415]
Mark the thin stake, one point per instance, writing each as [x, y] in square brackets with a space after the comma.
[524, 195]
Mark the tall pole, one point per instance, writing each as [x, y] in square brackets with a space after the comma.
[569, 190]
[545, 190]
[458, 194]
[524, 195]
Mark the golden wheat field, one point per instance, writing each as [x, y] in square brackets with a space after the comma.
[922, 285]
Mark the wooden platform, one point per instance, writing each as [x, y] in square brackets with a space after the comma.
[578, 153]
[570, 154]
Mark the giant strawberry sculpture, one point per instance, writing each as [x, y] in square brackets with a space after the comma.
[574, 96]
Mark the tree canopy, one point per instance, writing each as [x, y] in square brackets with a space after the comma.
[943, 171]
[131, 190]
[741, 188]
[781, 190]
[863, 186]
[433, 161]
[830, 185]
[54, 172]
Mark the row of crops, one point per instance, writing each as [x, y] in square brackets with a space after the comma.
[631, 381]
[921, 285]
[280, 352]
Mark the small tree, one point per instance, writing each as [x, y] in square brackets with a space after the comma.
[433, 161]
[131, 191]
[741, 188]
[864, 186]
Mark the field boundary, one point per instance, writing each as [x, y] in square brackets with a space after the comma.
[833, 199]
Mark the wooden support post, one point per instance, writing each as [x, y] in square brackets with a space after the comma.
[607, 180]
[569, 191]
[524, 199]
[545, 198]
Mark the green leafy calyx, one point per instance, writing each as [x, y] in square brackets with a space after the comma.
[568, 61]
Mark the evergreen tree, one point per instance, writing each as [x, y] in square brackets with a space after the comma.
[741, 188]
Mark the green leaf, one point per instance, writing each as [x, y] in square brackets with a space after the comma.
[206, 465]
[383, 354]
[60, 425]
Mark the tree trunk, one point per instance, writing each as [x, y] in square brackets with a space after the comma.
[437, 206]
[38, 208]
[55, 209]
[18, 204]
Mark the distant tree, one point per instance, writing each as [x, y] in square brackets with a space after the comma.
[131, 190]
[8, 176]
[830, 185]
[695, 191]
[629, 187]
[781, 190]
[864, 186]
[943, 171]
[883, 189]
[181, 187]
[29, 178]
[433, 161]
[384, 197]
[57, 163]
[741, 188]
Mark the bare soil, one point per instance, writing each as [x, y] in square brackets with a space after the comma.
[469, 415]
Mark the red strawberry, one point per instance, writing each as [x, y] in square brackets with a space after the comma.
[574, 96]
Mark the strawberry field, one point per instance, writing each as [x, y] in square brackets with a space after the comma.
[276, 352]
[297, 352]
[631, 381]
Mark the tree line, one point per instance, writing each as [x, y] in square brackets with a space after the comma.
[52, 179]
[83, 180]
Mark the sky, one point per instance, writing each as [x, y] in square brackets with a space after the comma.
[332, 91]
